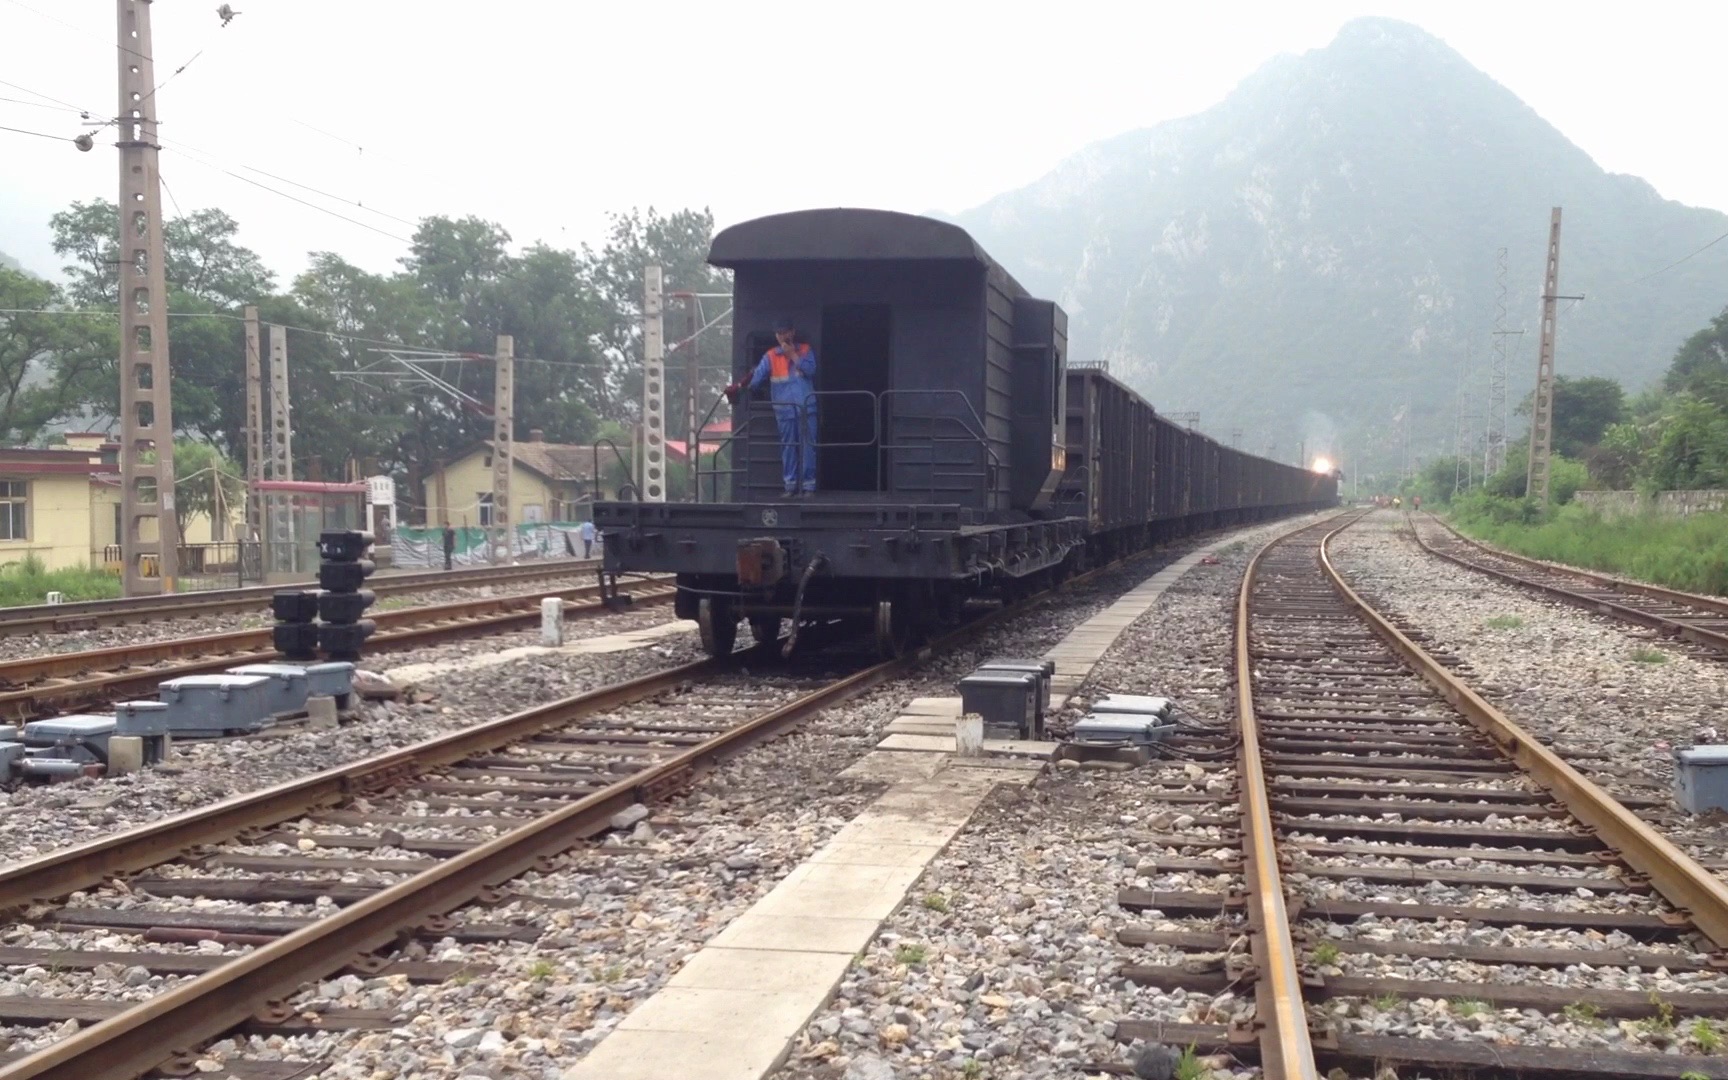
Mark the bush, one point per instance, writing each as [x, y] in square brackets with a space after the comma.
[29, 581]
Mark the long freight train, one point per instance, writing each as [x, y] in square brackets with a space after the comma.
[958, 455]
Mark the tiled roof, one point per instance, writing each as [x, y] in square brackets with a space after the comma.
[568, 462]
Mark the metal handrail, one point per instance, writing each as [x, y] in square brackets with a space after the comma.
[627, 486]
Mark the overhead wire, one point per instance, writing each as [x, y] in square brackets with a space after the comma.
[40, 134]
[78, 29]
[1677, 262]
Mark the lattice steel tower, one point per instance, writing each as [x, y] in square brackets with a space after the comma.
[147, 529]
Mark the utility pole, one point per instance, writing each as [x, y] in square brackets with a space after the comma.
[1464, 434]
[653, 467]
[254, 428]
[692, 373]
[1542, 408]
[281, 424]
[503, 448]
[1494, 453]
[148, 533]
[1235, 438]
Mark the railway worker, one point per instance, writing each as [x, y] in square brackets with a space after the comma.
[788, 368]
[449, 545]
[587, 531]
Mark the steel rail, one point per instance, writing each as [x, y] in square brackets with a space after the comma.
[102, 675]
[1679, 879]
[138, 1039]
[126, 1045]
[1286, 1051]
[37, 618]
[1680, 628]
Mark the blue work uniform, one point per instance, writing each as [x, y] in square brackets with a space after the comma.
[788, 376]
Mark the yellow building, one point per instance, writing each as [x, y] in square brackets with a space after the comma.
[63, 505]
[548, 482]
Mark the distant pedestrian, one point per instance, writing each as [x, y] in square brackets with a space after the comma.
[449, 546]
[1415, 502]
[588, 539]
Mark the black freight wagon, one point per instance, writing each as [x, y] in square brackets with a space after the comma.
[957, 455]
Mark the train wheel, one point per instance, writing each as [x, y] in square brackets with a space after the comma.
[894, 637]
[718, 625]
[765, 630]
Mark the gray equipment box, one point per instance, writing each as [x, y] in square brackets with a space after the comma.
[1133, 703]
[146, 718]
[1007, 700]
[77, 730]
[292, 684]
[1133, 728]
[1044, 669]
[1701, 778]
[213, 705]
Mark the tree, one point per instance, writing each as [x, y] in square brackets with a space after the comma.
[1584, 408]
[1691, 448]
[679, 245]
[199, 470]
[30, 396]
[1700, 367]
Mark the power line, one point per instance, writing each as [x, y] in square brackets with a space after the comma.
[293, 198]
[40, 134]
[47, 97]
[104, 39]
[182, 148]
[44, 105]
[1677, 262]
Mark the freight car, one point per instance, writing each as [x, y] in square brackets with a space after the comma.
[957, 455]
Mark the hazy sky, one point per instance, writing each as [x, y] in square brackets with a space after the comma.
[544, 115]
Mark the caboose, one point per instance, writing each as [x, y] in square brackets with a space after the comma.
[940, 404]
[956, 455]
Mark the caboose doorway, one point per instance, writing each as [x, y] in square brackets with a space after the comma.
[854, 359]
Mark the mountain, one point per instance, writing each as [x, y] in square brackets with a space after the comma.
[1317, 251]
[9, 262]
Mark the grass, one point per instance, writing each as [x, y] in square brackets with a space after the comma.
[1583, 1012]
[1469, 1007]
[29, 581]
[973, 1068]
[1505, 622]
[541, 970]
[1649, 656]
[1190, 1067]
[1663, 1022]
[1386, 1002]
[937, 902]
[1688, 553]
[1326, 954]
[393, 603]
[1705, 1035]
[1693, 1074]
[909, 955]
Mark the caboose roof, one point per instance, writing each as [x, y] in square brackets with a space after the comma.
[843, 234]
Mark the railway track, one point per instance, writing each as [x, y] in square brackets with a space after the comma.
[54, 683]
[348, 864]
[1702, 620]
[1421, 887]
[88, 614]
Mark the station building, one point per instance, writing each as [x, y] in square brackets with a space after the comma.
[62, 504]
[549, 482]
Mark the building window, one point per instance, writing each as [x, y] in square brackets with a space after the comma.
[484, 498]
[14, 509]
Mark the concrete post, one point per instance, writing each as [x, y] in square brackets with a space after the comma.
[552, 621]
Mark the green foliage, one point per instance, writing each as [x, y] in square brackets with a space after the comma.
[1190, 1067]
[1583, 1012]
[574, 317]
[909, 955]
[1704, 1034]
[1683, 553]
[1505, 622]
[1700, 367]
[936, 902]
[1469, 1007]
[1645, 655]
[1584, 408]
[198, 470]
[29, 581]
[1326, 954]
